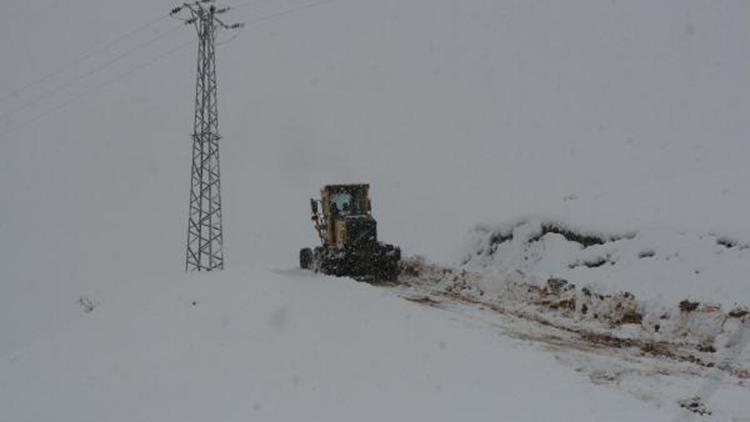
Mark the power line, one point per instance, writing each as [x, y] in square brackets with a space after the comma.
[271, 17]
[46, 94]
[75, 80]
[246, 4]
[95, 88]
[282, 13]
[228, 40]
[81, 59]
[90, 91]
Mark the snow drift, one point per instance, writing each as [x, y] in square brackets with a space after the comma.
[656, 264]
[285, 346]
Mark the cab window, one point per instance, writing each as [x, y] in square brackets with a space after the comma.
[341, 203]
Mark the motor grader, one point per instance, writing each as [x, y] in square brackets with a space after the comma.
[348, 236]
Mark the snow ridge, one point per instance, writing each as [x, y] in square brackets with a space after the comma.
[660, 264]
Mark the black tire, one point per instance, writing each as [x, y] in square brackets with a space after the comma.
[333, 266]
[305, 258]
[394, 272]
[390, 270]
[392, 251]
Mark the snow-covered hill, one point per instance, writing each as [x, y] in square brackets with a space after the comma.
[286, 345]
[615, 117]
[458, 113]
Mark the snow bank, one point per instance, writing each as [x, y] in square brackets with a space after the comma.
[257, 345]
[658, 264]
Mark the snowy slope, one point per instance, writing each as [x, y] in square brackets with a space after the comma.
[660, 265]
[285, 345]
[614, 116]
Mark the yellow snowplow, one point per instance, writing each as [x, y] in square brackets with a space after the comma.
[348, 235]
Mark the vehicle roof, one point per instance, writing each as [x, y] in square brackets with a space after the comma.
[347, 186]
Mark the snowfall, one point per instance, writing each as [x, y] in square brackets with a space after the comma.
[568, 182]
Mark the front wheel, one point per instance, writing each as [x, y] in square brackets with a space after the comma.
[305, 258]
[390, 270]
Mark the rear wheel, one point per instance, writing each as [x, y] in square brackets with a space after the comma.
[305, 258]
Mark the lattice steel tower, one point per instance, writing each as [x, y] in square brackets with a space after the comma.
[205, 237]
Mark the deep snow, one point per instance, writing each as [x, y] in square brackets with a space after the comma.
[619, 115]
[609, 116]
[289, 345]
[660, 265]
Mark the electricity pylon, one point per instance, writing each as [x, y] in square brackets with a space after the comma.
[205, 236]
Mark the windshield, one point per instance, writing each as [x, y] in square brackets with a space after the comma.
[342, 202]
[348, 201]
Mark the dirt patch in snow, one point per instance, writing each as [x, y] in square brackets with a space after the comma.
[570, 234]
[689, 332]
[659, 264]
[695, 405]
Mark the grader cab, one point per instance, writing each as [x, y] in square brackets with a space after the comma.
[348, 235]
